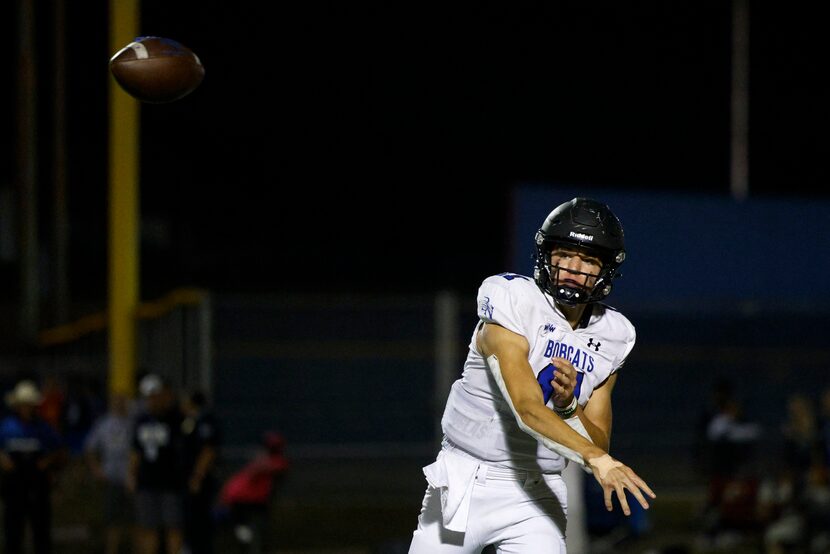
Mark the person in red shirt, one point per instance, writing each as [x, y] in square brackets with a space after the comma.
[247, 493]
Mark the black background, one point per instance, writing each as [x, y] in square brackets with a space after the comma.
[374, 146]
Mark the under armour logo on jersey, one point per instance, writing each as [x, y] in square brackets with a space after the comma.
[486, 308]
[591, 343]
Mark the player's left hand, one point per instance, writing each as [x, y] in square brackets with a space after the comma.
[615, 478]
[563, 383]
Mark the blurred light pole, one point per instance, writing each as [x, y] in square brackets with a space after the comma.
[739, 151]
[60, 194]
[26, 160]
[123, 205]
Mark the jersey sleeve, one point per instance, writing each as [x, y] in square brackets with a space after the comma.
[500, 303]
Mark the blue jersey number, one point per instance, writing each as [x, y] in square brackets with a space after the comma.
[546, 376]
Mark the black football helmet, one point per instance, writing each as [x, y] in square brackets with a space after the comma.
[588, 225]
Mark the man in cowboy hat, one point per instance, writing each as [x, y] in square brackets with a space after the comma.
[29, 450]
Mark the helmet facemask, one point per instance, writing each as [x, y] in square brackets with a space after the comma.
[548, 275]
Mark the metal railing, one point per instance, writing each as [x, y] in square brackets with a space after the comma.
[174, 339]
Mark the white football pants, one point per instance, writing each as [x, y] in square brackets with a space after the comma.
[516, 512]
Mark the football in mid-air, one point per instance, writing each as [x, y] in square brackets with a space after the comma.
[157, 69]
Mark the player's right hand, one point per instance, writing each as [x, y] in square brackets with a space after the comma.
[616, 477]
[564, 382]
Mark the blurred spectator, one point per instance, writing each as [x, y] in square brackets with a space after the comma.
[201, 441]
[801, 437]
[803, 520]
[796, 507]
[817, 509]
[107, 452]
[52, 406]
[720, 393]
[729, 445]
[730, 438]
[776, 509]
[30, 451]
[155, 471]
[800, 518]
[824, 426]
[730, 435]
[82, 407]
[247, 494]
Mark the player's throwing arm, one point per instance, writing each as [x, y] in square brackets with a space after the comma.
[506, 354]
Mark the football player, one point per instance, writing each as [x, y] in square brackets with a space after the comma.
[535, 394]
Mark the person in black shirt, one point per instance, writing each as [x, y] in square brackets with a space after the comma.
[156, 468]
[201, 441]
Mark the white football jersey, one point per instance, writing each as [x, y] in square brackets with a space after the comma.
[477, 418]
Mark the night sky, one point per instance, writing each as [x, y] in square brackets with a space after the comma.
[373, 146]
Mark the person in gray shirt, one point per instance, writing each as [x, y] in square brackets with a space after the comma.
[107, 452]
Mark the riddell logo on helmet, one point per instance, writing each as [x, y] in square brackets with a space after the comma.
[580, 236]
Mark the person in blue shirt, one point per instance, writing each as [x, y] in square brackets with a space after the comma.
[30, 450]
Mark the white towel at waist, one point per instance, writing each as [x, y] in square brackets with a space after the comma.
[454, 476]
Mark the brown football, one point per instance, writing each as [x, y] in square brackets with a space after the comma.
[157, 69]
